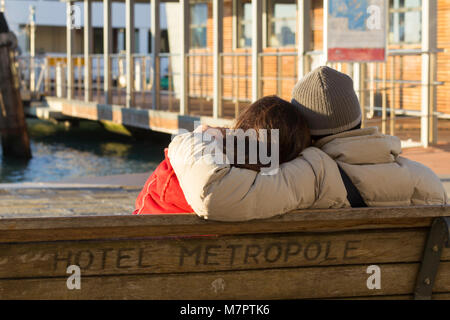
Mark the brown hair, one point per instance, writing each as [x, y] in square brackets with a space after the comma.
[272, 112]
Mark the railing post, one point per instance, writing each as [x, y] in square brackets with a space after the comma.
[304, 36]
[372, 89]
[256, 47]
[384, 99]
[69, 49]
[393, 98]
[217, 50]
[359, 74]
[47, 89]
[88, 44]
[129, 49]
[80, 77]
[429, 32]
[156, 48]
[184, 17]
[107, 50]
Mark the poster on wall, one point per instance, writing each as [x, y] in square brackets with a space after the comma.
[355, 30]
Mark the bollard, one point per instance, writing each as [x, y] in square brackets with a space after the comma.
[13, 128]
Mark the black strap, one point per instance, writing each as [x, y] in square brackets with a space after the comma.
[353, 195]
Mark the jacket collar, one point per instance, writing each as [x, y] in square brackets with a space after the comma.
[352, 133]
[361, 146]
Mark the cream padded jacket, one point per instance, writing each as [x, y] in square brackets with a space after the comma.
[371, 160]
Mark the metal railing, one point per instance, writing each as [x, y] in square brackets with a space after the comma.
[385, 90]
[236, 80]
[200, 83]
[34, 74]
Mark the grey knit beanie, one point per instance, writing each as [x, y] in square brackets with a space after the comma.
[328, 102]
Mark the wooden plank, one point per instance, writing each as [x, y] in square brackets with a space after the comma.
[287, 283]
[310, 216]
[115, 227]
[121, 232]
[210, 253]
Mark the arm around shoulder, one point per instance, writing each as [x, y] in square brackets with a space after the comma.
[224, 193]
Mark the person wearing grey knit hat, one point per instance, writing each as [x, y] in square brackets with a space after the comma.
[345, 167]
[328, 102]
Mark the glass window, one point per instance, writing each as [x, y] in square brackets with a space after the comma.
[281, 24]
[244, 23]
[198, 25]
[136, 40]
[164, 45]
[405, 21]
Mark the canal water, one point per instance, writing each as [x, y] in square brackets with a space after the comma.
[87, 150]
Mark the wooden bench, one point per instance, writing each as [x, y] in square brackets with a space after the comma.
[304, 254]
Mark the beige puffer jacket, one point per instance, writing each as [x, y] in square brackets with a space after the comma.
[370, 159]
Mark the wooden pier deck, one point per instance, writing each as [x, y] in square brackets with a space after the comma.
[67, 201]
[157, 120]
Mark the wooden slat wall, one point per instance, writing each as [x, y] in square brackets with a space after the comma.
[240, 67]
[284, 67]
[317, 25]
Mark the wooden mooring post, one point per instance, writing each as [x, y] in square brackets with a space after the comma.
[13, 128]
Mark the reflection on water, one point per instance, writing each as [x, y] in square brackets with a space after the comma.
[89, 150]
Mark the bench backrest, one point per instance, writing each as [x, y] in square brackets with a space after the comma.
[304, 254]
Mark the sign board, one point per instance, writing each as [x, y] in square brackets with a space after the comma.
[355, 30]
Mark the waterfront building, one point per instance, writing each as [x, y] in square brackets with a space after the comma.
[212, 57]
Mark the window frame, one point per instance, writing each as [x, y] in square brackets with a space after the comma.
[193, 26]
[238, 6]
[268, 20]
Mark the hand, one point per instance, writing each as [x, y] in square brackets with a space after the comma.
[202, 128]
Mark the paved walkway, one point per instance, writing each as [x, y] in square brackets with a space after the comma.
[437, 157]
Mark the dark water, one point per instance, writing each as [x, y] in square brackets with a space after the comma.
[89, 150]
